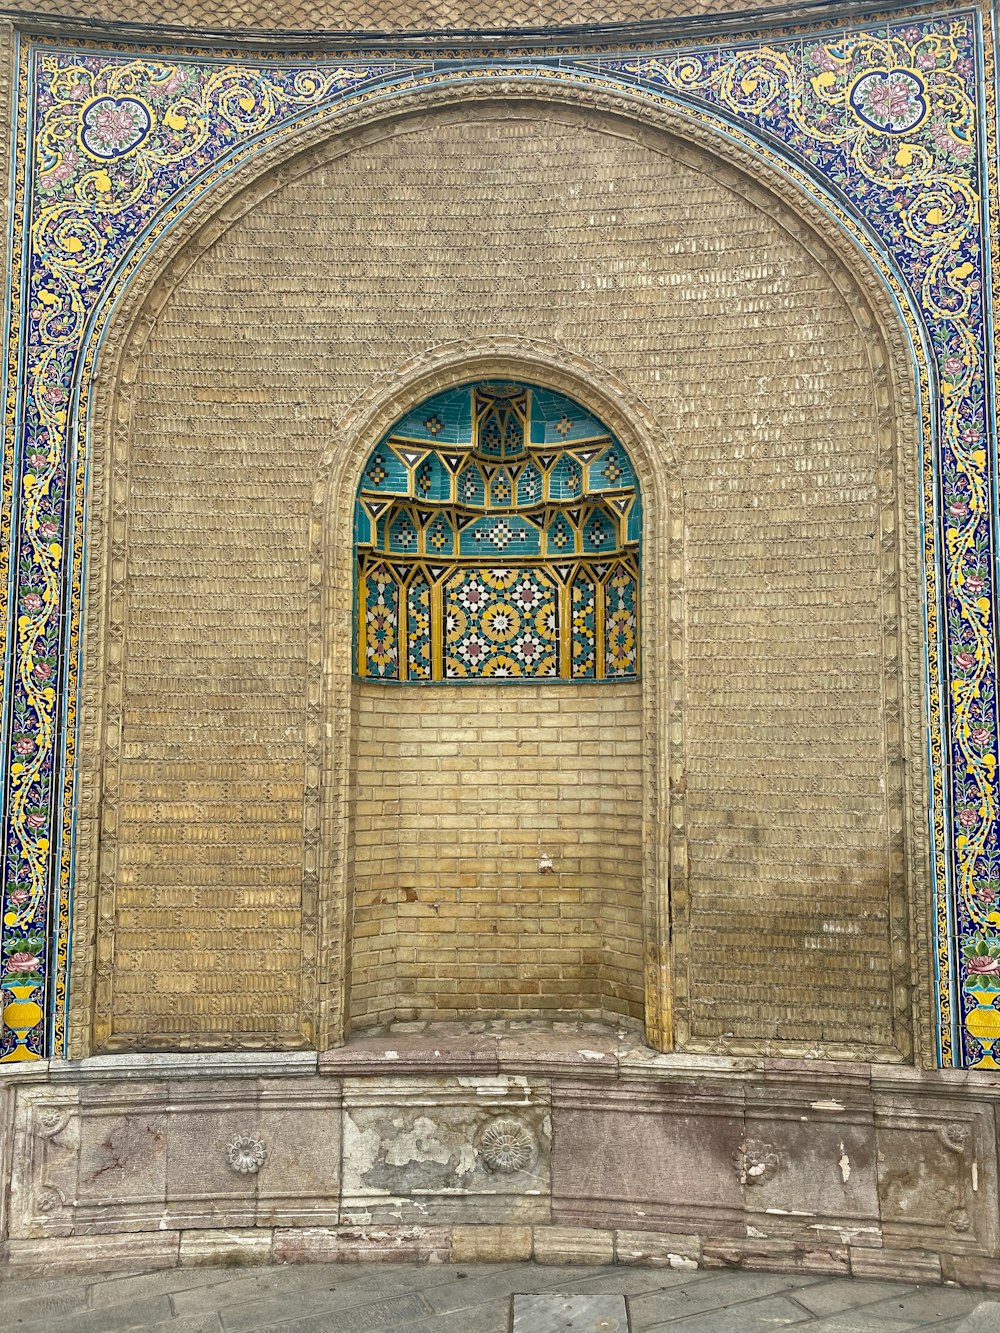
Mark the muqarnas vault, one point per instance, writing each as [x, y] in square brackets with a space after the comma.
[498, 537]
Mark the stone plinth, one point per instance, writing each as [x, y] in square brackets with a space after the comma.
[564, 1141]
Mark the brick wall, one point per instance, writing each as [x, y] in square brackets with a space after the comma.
[459, 792]
[465, 226]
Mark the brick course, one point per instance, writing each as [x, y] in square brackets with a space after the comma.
[460, 790]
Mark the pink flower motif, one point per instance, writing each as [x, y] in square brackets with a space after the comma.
[23, 962]
[115, 125]
[822, 58]
[966, 661]
[32, 601]
[971, 435]
[78, 92]
[968, 818]
[959, 509]
[953, 365]
[980, 735]
[19, 897]
[24, 745]
[48, 529]
[984, 966]
[891, 101]
[35, 820]
[974, 583]
[473, 596]
[42, 671]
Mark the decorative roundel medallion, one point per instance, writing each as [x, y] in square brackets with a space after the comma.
[507, 1146]
[114, 126]
[246, 1155]
[890, 100]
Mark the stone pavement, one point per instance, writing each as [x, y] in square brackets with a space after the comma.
[474, 1298]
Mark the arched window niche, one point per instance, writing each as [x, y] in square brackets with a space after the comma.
[498, 795]
[497, 535]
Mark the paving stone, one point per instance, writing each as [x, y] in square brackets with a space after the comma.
[757, 1317]
[12, 1288]
[474, 1289]
[710, 1293]
[569, 1314]
[864, 1321]
[44, 1312]
[825, 1298]
[493, 1317]
[161, 1281]
[985, 1318]
[194, 1323]
[924, 1305]
[397, 1314]
[133, 1314]
[382, 1286]
[625, 1282]
[235, 1287]
[475, 1298]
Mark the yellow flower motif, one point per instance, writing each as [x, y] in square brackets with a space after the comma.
[502, 665]
[545, 622]
[457, 622]
[501, 579]
[501, 622]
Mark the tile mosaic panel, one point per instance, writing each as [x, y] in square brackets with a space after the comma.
[454, 508]
[888, 123]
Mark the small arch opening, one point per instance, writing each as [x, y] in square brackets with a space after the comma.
[497, 803]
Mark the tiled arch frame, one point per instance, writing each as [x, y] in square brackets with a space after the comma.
[107, 404]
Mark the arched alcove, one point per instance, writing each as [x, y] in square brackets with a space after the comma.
[773, 796]
[497, 807]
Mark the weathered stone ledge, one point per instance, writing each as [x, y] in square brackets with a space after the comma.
[486, 1244]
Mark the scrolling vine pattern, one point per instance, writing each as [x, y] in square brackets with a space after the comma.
[885, 122]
